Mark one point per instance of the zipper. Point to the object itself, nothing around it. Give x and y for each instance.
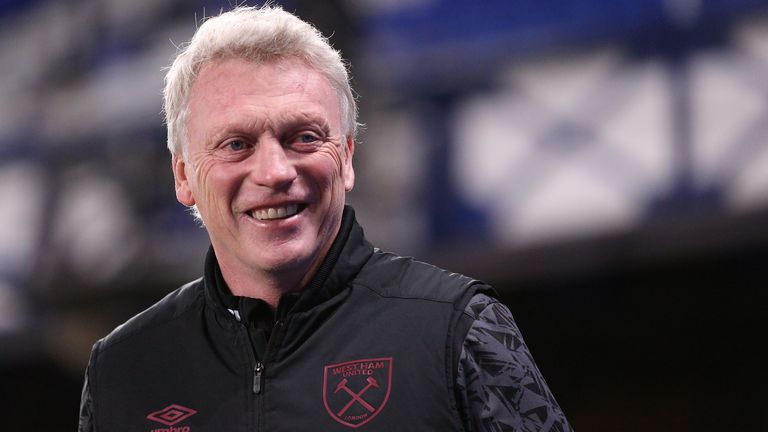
(258, 368)
(257, 371)
(258, 376)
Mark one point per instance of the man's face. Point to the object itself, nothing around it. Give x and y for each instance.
(266, 165)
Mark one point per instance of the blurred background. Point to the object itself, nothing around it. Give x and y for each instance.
(603, 163)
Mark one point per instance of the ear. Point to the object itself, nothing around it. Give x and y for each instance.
(347, 169)
(183, 192)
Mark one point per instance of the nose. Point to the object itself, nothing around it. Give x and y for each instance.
(272, 167)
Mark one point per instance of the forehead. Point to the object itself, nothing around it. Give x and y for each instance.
(232, 89)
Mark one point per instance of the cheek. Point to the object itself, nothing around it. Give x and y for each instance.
(328, 164)
(215, 182)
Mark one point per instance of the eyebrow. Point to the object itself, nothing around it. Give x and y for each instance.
(287, 122)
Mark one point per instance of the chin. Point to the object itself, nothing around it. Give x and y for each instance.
(285, 260)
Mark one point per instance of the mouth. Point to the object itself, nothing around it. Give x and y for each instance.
(273, 213)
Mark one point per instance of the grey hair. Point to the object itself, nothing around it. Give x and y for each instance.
(257, 34)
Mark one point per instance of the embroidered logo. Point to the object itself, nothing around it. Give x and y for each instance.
(171, 415)
(354, 392)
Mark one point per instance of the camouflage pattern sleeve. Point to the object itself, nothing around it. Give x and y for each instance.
(498, 383)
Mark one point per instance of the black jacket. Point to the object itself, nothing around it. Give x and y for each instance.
(372, 343)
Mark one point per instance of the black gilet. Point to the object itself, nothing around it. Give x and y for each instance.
(371, 343)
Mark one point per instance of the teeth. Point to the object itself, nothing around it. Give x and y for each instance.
(276, 213)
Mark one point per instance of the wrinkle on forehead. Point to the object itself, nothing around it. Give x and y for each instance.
(294, 70)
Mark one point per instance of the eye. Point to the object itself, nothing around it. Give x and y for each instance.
(236, 145)
(306, 138)
(306, 141)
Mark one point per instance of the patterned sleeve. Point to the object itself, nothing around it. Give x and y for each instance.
(498, 383)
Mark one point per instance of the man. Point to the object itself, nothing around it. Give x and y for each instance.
(298, 323)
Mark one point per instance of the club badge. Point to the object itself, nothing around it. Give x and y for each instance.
(355, 392)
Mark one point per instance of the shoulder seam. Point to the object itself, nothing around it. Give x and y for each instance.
(492, 301)
(137, 332)
(391, 296)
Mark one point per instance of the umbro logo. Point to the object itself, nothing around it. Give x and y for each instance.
(171, 415)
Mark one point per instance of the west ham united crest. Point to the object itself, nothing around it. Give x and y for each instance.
(355, 392)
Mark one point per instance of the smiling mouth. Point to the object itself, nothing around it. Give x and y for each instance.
(276, 212)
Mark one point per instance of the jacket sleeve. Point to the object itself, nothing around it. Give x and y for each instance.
(87, 420)
(498, 384)
(85, 424)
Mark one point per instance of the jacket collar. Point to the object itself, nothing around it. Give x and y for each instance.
(347, 255)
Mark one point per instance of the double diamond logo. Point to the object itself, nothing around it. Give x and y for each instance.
(171, 414)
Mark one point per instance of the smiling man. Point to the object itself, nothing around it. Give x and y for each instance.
(298, 323)
(267, 165)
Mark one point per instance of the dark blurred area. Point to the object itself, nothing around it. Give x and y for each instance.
(603, 163)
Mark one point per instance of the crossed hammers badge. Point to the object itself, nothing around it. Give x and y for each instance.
(354, 392)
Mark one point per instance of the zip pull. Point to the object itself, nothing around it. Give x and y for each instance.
(257, 370)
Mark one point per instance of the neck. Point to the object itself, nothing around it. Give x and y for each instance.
(269, 286)
(266, 289)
